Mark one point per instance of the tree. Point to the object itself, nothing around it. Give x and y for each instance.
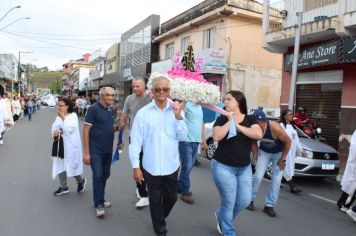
(56, 86)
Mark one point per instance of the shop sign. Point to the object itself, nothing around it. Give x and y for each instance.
(350, 49)
(214, 61)
(324, 54)
(127, 74)
(162, 66)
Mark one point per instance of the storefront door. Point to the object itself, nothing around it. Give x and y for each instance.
(323, 102)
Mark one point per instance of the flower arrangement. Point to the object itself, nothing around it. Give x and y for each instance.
(186, 83)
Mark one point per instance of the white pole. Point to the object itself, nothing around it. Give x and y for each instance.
(295, 60)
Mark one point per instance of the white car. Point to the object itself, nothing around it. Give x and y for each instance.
(321, 159)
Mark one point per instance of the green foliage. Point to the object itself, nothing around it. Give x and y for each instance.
(56, 86)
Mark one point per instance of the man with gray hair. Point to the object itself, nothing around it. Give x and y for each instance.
(157, 129)
(98, 138)
(134, 102)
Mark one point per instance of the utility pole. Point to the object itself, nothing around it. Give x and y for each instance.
(19, 73)
(295, 60)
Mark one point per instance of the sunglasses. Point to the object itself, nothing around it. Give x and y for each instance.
(110, 95)
(158, 90)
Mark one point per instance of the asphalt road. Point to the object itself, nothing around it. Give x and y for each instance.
(28, 207)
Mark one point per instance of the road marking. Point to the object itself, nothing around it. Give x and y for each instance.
(322, 198)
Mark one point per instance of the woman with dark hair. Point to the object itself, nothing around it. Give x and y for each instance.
(231, 165)
(286, 123)
(66, 125)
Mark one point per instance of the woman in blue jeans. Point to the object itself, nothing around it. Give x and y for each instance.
(231, 167)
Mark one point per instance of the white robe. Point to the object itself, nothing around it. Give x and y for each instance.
(348, 182)
(72, 161)
(288, 172)
(3, 115)
(10, 119)
(51, 101)
(16, 107)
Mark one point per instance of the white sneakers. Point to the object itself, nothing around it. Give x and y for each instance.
(142, 202)
(107, 204)
(100, 212)
(1, 142)
(352, 214)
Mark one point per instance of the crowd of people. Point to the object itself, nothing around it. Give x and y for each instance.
(15, 108)
(164, 140)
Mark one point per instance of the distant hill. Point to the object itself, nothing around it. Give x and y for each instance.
(44, 79)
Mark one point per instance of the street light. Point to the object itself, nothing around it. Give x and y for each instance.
(9, 12)
(22, 18)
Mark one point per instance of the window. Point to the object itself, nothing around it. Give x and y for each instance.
(209, 38)
(312, 4)
(169, 50)
(184, 44)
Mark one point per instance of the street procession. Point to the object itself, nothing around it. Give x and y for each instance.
(195, 117)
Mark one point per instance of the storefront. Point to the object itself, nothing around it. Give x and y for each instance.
(214, 66)
(326, 84)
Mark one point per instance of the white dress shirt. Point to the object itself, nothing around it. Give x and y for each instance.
(158, 133)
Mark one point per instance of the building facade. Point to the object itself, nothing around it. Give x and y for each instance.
(96, 74)
(112, 71)
(9, 72)
(227, 35)
(72, 76)
(138, 51)
(326, 64)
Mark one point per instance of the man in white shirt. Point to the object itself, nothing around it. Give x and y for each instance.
(157, 129)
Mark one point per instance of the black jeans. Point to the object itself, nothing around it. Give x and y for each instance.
(142, 188)
(343, 198)
(162, 192)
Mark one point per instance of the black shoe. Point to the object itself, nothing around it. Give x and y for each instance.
(81, 186)
(296, 190)
(61, 191)
(250, 207)
(269, 211)
(197, 163)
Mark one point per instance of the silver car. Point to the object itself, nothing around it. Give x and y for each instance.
(321, 160)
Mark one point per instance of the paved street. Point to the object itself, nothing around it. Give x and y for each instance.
(28, 206)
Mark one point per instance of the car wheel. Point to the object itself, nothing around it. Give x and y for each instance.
(211, 149)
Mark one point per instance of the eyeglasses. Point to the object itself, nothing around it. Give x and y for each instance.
(289, 114)
(110, 95)
(158, 90)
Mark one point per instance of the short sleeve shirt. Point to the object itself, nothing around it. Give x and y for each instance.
(235, 151)
(133, 104)
(101, 135)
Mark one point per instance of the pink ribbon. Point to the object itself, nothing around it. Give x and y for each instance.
(208, 106)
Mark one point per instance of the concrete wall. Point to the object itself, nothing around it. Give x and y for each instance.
(251, 69)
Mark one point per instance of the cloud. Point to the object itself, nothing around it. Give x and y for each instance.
(57, 23)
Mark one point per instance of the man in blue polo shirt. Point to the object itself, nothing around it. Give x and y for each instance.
(98, 138)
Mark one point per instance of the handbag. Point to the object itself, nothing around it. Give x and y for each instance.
(58, 147)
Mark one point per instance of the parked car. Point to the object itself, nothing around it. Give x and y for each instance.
(321, 160)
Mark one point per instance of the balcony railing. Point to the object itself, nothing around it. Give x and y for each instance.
(277, 13)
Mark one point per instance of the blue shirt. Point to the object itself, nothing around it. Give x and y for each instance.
(158, 133)
(194, 121)
(101, 134)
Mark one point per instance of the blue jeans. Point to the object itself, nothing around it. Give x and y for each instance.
(30, 111)
(100, 165)
(264, 159)
(188, 154)
(235, 186)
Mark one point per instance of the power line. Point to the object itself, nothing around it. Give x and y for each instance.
(71, 35)
(53, 43)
